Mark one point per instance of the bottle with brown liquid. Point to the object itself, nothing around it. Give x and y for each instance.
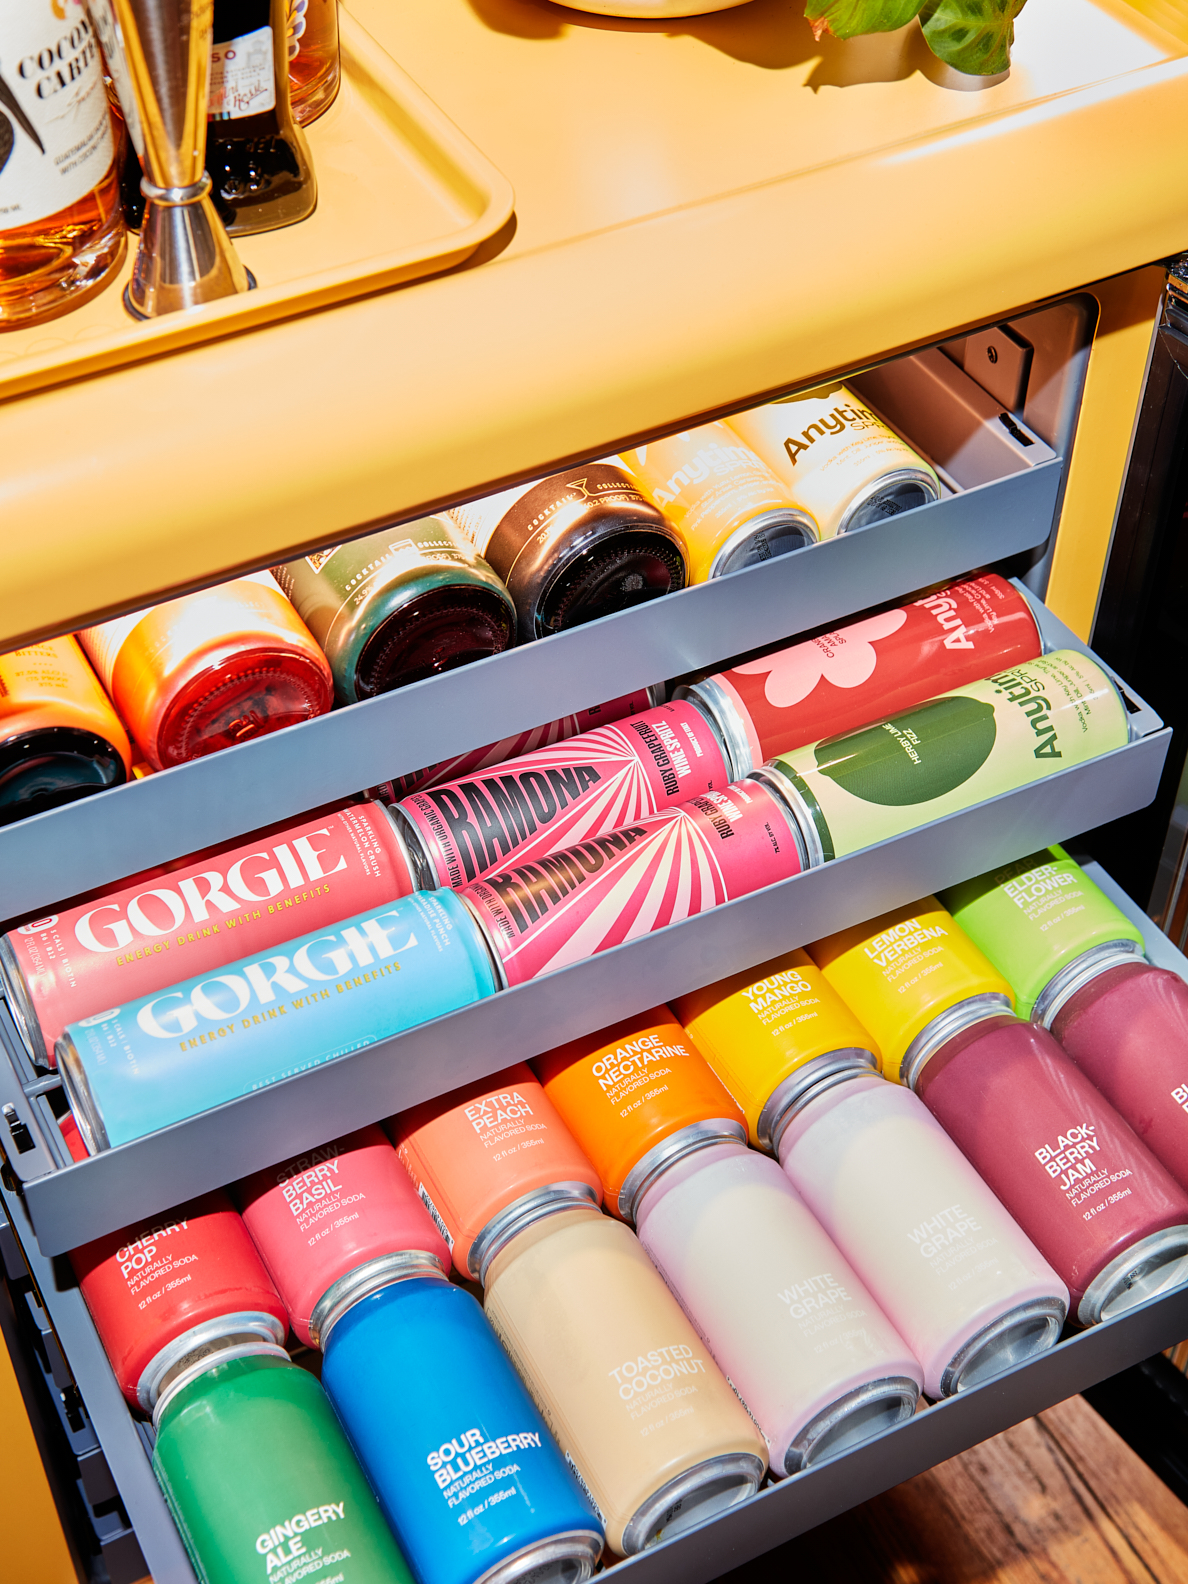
(61, 228)
(256, 153)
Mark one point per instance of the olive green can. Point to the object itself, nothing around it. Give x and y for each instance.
(262, 1482)
(1043, 923)
(399, 605)
(967, 745)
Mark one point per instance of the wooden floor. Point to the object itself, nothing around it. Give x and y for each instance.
(1057, 1500)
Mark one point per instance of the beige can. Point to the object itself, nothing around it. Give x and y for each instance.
(837, 459)
(630, 1391)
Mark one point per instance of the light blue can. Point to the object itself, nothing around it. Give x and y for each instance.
(466, 1472)
(210, 1039)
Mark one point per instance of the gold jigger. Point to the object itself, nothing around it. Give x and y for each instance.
(185, 257)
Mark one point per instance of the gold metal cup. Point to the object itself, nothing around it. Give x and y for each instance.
(185, 257)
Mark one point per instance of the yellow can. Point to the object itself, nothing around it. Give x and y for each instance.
(728, 506)
(760, 1029)
(911, 975)
(837, 458)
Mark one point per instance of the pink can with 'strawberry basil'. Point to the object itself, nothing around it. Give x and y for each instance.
(541, 916)
(596, 782)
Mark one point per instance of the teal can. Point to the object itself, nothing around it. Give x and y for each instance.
(261, 1480)
(399, 605)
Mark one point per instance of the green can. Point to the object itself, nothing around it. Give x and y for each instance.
(1044, 925)
(949, 753)
(261, 1480)
(399, 605)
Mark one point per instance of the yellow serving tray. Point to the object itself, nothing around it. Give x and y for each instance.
(401, 194)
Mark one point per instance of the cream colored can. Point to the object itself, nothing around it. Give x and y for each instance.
(838, 460)
(626, 1385)
(728, 506)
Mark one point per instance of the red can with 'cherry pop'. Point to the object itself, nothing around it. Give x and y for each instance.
(325, 1214)
(159, 930)
(539, 917)
(824, 686)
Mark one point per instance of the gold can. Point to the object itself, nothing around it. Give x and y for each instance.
(837, 459)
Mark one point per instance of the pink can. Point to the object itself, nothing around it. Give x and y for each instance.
(524, 742)
(324, 1215)
(219, 907)
(538, 917)
(597, 782)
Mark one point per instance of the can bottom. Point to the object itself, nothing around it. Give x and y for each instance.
(562, 1559)
(201, 1347)
(20, 1004)
(1152, 1266)
(771, 534)
(695, 1496)
(901, 491)
(1019, 1334)
(867, 1411)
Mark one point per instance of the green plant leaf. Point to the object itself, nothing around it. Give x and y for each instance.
(847, 18)
(972, 36)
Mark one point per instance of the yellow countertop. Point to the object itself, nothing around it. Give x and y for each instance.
(706, 211)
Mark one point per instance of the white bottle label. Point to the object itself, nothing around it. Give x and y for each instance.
(242, 82)
(55, 126)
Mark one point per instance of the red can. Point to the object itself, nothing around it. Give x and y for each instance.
(110, 950)
(538, 917)
(524, 742)
(868, 669)
(174, 1288)
(600, 781)
(321, 1216)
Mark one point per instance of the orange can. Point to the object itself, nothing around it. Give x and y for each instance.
(488, 1156)
(211, 669)
(60, 738)
(637, 1097)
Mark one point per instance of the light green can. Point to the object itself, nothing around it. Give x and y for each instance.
(965, 746)
(1042, 922)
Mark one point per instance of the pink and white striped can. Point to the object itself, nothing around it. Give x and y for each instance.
(541, 916)
(596, 782)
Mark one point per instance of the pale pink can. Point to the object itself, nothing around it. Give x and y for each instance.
(541, 916)
(322, 1216)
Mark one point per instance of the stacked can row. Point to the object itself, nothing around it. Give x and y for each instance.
(185, 678)
(923, 1230)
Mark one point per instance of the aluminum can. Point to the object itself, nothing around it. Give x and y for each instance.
(729, 507)
(261, 1480)
(955, 1274)
(465, 1469)
(1047, 928)
(319, 1217)
(210, 1039)
(209, 670)
(637, 1097)
(158, 929)
(484, 1155)
(770, 1032)
(790, 1323)
(837, 458)
(952, 752)
(553, 797)
(668, 866)
(574, 546)
(868, 669)
(60, 738)
(608, 1353)
(166, 1291)
(524, 742)
(399, 605)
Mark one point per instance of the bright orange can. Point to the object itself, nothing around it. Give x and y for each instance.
(627, 1092)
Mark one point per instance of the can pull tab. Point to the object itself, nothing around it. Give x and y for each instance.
(18, 1131)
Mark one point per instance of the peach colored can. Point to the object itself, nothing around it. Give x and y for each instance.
(488, 1154)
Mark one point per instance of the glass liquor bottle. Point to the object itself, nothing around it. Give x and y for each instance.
(314, 69)
(256, 153)
(61, 229)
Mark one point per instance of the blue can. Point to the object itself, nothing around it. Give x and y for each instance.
(213, 1038)
(466, 1472)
